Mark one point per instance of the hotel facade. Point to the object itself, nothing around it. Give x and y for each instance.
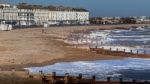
(18, 16)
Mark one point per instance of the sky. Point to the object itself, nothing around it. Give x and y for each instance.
(101, 7)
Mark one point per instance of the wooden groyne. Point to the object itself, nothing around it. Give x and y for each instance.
(68, 79)
(118, 53)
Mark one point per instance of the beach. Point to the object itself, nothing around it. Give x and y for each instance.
(22, 48)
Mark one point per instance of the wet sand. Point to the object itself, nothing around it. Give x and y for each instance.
(30, 47)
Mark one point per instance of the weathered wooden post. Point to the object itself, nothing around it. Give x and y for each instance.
(77, 44)
(131, 51)
(117, 49)
(40, 72)
(144, 52)
(110, 49)
(82, 38)
(102, 47)
(145, 82)
(96, 41)
(66, 78)
(133, 81)
(103, 50)
(124, 50)
(120, 79)
(54, 75)
(31, 76)
(96, 46)
(137, 52)
(80, 76)
(108, 79)
(93, 77)
(101, 43)
(44, 79)
(43, 31)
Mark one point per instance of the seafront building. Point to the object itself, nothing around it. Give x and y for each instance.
(25, 16)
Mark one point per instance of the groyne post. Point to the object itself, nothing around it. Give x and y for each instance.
(125, 54)
(133, 81)
(120, 79)
(66, 78)
(96, 46)
(137, 52)
(96, 41)
(146, 82)
(45, 80)
(124, 50)
(80, 76)
(40, 72)
(101, 43)
(77, 44)
(93, 77)
(110, 49)
(54, 75)
(144, 52)
(31, 76)
(131, 51)
(117, 49)
(103, 51)
(108, 79)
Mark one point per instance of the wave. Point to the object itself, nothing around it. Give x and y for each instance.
(137, 39)
(100, 68)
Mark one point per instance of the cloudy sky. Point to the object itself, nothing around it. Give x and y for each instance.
(102, 7)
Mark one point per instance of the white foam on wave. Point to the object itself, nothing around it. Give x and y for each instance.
(100, 68)
(108, 38)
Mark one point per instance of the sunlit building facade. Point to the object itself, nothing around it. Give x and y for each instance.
(18, 16)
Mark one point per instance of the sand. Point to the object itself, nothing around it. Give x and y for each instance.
(30, 47)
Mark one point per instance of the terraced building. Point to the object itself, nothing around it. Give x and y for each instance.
(24, 14)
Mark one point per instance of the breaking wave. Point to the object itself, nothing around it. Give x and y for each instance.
(135, 39)
(129, 68)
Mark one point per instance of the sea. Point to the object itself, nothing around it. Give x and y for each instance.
(135, 39)
(127, 68)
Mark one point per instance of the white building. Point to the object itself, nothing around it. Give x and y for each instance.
(4, 5)
(17, 16)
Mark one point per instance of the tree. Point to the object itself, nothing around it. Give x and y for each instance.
(127, 20)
